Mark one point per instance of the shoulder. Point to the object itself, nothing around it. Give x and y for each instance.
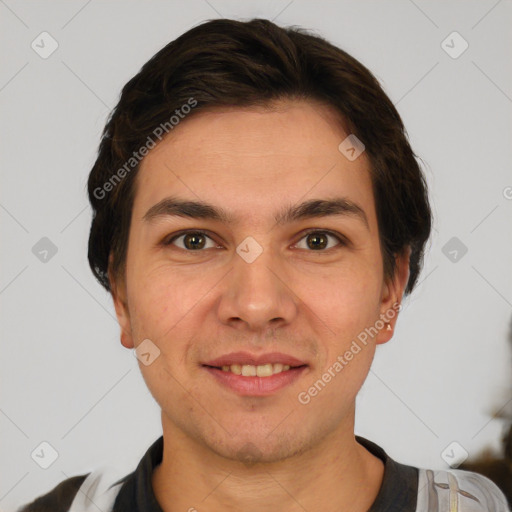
(457, 489)
(59, 499)
(82, 493)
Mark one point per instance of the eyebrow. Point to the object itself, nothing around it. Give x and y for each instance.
(172, 206)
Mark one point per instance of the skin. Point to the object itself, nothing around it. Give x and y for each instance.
(223, 451)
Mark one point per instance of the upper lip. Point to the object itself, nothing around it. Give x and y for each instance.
(242, 358)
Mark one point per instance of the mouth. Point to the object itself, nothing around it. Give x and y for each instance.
(251, 370)
(255, 375)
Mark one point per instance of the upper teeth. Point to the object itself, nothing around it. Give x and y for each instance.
(262, 370)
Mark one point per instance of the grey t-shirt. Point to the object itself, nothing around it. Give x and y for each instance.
(404, 489)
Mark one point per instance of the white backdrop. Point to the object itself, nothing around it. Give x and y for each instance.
(65, 377)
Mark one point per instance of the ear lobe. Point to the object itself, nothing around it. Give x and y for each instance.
(118, 292)
(392, 294)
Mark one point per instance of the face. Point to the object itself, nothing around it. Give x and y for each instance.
(251, 281)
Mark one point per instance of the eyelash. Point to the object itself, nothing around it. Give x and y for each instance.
(342, 241)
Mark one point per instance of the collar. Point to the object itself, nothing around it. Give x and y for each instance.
(398, 492)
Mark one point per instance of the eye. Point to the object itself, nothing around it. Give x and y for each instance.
(318, 240)
(192, 241)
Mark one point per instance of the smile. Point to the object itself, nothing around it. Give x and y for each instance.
(261, 370)
(255, 380)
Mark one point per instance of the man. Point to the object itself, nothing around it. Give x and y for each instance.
(259, 216)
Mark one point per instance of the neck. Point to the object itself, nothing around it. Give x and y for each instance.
(338, 474)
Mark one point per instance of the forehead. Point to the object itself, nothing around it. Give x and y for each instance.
(253, 159)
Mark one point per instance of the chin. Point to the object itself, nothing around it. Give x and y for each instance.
(252, 447)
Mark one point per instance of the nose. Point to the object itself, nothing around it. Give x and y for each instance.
(257, 295)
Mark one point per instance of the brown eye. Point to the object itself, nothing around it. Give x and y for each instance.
(192, 241)
(319, 240)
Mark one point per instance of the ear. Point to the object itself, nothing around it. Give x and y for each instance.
(392, 293)
(118, 291)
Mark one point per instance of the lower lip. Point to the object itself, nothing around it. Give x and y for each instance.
(256, 386)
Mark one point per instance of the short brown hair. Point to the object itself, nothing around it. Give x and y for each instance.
(234, 63)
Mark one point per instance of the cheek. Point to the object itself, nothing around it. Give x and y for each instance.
(168, 306)
(348, 306)
(347, 300)
(160, 300)
(161, 307)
